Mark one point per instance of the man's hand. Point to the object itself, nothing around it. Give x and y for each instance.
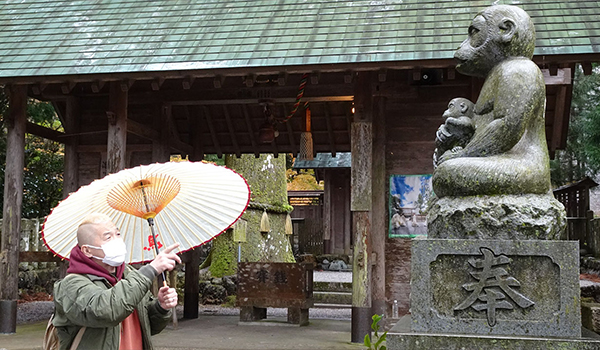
(167, 297)
(166, 260)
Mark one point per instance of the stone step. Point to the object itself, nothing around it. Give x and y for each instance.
(332, 306)
(332, 286)
(333, 298)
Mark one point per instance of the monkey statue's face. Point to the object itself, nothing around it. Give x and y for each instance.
(458, 107)
(481, 51)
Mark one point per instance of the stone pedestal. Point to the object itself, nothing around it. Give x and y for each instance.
(400, 337)
(511, 217)
(493, 294)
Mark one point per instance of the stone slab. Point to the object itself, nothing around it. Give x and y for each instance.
(496, 287)
(400, 337)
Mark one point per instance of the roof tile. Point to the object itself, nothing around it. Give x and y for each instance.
(42, 37)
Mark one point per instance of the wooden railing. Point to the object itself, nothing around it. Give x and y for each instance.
(32, 249)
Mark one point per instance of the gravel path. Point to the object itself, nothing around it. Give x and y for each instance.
(42, 310)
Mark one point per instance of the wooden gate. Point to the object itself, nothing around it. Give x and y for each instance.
(308, 221)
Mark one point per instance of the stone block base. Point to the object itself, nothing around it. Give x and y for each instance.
(496, 287)
(400, 337)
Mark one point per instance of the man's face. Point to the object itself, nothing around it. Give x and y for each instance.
(104, 233)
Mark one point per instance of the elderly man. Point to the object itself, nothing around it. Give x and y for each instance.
(111, 300)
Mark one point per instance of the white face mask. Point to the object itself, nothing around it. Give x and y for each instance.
(114, 252)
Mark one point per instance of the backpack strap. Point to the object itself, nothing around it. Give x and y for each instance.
(77, 339)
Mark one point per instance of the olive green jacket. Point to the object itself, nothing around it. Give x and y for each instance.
(90, 301)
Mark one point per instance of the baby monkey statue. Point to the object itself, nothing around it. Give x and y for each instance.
(457, 130)
(505, 162)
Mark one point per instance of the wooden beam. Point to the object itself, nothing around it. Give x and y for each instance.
(232, 134)
(315, 76)
(175, 140)
(71, 125)
(282, 78)
(290, 132)
(117, 128)
(250, 130)
(274, 148)
(38, 88)
(218, 81)
(251, 101)
(67, 87)
(44, 132)
(249, 80)
(14, 122)
(195, 134)
(143, 147)
(451, 75)
(587, 67)
(559, 117)
(329, 130)
(382, 75)
(187, 82)
(348, 77)
(142, 130)
(97, 86)
(211, 128)
(161, 151)
(157, 83)
(562, 76)
(126, 84)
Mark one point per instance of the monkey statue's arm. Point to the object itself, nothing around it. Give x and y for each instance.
(514, 86)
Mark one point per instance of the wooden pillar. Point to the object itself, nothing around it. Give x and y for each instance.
(71, 176)
(117, 128)
(14, 121)
(360, 206)
(191, 286)
(379, 222)
(161, 152)
(328, 238)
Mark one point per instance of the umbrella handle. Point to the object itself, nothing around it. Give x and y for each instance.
(151, 224)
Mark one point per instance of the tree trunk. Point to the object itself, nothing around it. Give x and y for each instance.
(266, 177)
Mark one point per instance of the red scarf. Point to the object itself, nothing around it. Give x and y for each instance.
(81, 264)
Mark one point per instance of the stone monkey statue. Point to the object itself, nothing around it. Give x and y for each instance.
(508, 152)
(457, 129)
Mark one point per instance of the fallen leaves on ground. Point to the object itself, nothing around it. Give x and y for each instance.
(38, 296)
(589, 277)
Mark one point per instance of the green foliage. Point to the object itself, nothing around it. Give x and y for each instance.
(581, 157)
(230, 301)
(213, 158)
(376, 342)
(44, 160)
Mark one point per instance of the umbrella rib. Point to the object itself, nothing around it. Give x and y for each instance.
(179, 231)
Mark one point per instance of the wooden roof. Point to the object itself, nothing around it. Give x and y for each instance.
(40, 38)
(210, 67)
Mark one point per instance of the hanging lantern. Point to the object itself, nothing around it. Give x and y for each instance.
(265, 226)
(289, 228)
(306, 141)
(266, 131)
